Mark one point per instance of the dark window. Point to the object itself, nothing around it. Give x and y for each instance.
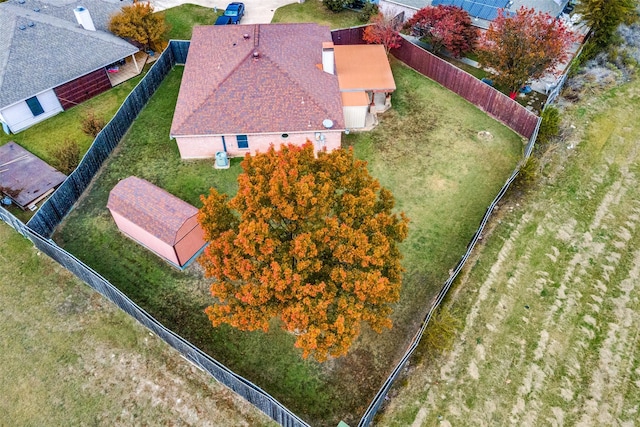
(34, 106)
(285, 135)
(243, 142)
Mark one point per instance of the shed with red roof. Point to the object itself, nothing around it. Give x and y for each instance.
(157, 220)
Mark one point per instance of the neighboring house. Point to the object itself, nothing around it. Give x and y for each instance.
(54, 55)
(482, 12)
(157, 220)
(247, 87)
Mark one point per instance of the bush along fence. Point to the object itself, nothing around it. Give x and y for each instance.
(40, 228)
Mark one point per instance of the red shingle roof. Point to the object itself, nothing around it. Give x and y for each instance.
(150, 207)
(227, 90)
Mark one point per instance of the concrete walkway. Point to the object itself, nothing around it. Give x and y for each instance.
(257, 11)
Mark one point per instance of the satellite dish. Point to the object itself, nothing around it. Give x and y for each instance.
(327, 123)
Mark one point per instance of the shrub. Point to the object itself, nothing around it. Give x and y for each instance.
(550, 125)
(439, 335)
(92, 125)
(528, 173)
(368, 10)
(335, 5)
(66, 157)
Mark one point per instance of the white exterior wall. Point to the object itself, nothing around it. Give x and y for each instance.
(355, 116)
(19, 117)
(392, 9)
(204, 147)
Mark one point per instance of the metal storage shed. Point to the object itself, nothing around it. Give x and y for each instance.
(157, 220)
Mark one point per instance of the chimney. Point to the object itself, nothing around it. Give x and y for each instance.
(84, 18)
(327, 58)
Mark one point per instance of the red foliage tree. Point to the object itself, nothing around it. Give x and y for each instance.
(383, 30)
(447, 27)
(524, 46)
(311, 241)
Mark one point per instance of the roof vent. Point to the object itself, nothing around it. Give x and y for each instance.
(31, 23)
(255, 54)
(21, 1)
(37, 9)
(246, 36)
(327, 123)
(22, 27)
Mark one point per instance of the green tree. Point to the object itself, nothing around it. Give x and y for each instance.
(309, 240)
(336, 5)
(604, 17)
(137, 22)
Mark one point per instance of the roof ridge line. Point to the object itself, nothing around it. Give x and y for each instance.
(5, 60)
(229, 74)
(303, 89)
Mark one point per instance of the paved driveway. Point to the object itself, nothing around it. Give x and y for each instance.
(257, 11)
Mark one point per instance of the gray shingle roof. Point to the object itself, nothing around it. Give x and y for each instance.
(52, 51)
(100, 10)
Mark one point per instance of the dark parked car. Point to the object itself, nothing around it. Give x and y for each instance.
(235, 11)
(223, 20)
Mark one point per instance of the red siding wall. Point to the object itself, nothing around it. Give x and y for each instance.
(83, 88)
(467, 86)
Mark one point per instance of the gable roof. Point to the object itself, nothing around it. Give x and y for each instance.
(225, 89)
(50, 52)
(363, 67)
(151, 208)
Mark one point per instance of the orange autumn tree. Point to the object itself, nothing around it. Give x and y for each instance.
(310, 241)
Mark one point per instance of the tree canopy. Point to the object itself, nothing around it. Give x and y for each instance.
(384, 31)
(447, 27)
(524, 46)
(137, 22)
(604, 17)
(309, 240)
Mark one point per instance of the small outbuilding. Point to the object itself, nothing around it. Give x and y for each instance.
(25, 178)
(157, 220)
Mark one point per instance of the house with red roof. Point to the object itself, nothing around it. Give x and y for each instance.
(246, 87)
(157, 220)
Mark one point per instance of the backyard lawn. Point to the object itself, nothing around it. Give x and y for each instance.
(42, 137)
(427, 150)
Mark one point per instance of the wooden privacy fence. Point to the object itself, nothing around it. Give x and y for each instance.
(480, 94)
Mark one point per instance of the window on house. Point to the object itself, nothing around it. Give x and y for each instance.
(34, 106)
(243, 142)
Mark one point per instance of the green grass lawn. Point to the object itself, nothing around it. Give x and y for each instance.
(42, 137)
(181, 19)
(426, 150)
(69, 357)
(315, 11)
